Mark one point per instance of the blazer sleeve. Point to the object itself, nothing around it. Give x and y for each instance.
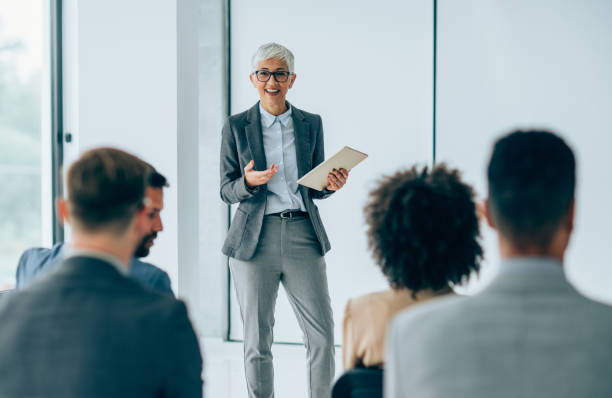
(184, 376)
(22, 274)
(33, 263)
(233, 184)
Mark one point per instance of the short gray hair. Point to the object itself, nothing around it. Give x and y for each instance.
(270, 51)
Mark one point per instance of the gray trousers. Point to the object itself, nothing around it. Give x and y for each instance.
(288, 252)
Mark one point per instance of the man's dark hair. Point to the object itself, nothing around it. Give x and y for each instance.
(156, 179)
(423, 228)
(532, 178)
(106, 187)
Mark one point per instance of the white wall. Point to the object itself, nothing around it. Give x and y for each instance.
(366, 68)
(503, 65)
(128, 65)
(126, 86)
(187, 138)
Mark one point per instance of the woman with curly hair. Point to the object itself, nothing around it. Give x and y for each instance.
(424, 234)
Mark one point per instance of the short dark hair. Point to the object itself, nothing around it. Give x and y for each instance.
(423, 228)
(532, 178)
(156, 179)
(106, 187)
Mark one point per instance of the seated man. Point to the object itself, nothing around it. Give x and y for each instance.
(85, 329)
(529, 333)
(423, 232)
(37, 261)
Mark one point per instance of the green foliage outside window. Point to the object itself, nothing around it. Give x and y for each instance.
(20, 161)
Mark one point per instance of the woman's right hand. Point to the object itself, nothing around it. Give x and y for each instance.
(254, 178)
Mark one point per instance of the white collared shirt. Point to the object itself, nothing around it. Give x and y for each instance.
(279, 146)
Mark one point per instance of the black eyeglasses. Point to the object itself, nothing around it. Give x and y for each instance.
(280, 76)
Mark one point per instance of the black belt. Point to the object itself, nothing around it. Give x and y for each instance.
(289, 214)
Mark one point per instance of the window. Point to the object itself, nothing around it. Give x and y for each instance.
(26, 204)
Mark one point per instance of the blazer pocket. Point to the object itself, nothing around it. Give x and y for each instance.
(237, 228)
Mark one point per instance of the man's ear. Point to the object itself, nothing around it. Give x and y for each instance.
(487, 213)
(252, 79)
(571, 215)
(62, 210)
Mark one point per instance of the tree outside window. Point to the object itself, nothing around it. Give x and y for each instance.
(22, 37)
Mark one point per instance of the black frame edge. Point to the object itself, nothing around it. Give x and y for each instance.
(57, 117)
(435, 72)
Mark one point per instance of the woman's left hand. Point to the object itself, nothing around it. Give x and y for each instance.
(336, 179)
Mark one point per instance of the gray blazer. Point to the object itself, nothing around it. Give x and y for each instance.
(529, 334)
(241, 142)
(85, 330)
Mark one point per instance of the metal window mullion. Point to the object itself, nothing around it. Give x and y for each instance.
(57, 123)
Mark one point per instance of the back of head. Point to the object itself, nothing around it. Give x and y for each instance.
(106, 188)
(423, 229)
(531, 177)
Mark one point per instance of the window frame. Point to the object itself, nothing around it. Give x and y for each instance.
(57, 120)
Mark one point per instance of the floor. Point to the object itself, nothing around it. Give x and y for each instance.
(224, 371)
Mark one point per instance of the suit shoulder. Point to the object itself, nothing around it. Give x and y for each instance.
(9, 300)
(170, 309)
(42, 254)
(600, 311)
(148, 267)
(151, 276)
(34, 261)
(311, 117)
(158, 301)
(234, 124)
(432, 311)
(238, 118)
(36, 254)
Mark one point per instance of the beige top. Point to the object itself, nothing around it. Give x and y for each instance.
(365, 324)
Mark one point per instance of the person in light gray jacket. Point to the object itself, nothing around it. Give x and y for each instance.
(530, 333)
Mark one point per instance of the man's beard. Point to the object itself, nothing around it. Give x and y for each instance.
(142, 250)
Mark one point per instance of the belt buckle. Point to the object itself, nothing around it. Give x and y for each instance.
(286, 214)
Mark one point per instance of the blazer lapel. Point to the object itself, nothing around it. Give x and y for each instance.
(301, 129)
(254, 138)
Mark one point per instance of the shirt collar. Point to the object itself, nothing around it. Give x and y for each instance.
(114, 261)
(268, 119)
(531, 264)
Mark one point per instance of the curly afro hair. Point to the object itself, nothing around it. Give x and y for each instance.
(423, 229)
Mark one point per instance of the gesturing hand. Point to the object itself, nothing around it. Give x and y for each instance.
(254, 178)
(336, 179)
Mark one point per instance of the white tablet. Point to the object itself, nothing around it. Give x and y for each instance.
(345, 158)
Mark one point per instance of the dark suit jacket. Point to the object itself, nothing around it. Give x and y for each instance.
(241, 142)
(85, 330)
(38, 261)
